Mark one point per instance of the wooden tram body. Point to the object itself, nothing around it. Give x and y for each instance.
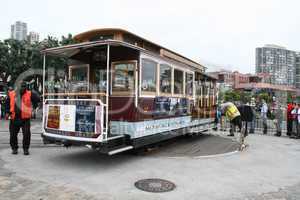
(119, 91)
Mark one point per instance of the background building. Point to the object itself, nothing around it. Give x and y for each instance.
(297, 70)
(228, 80)
(33, 37)
(224, 79)
(231, 79)
(278, 62)
(19, 31)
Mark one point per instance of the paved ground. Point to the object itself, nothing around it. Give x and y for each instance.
(268, 169)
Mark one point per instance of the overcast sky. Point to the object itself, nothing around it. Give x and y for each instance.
(216, 32)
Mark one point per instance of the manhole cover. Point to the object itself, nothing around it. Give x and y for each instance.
(155, 185)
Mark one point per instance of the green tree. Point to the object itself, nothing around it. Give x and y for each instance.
(232, 95)
(67, 40)
(18, 56)
(236, 95)
(265, 96)
(13, 59)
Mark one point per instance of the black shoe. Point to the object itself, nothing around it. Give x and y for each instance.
(14, 151)
(26, 152)
(231, 135)
(278, 134)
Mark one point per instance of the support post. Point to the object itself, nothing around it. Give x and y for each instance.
(43, 98)
(107, 90)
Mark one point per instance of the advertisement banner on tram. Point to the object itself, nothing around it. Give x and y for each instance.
(74, 120)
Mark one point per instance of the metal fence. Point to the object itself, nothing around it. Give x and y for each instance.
(258, 124)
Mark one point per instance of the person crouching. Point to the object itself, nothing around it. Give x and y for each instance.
(232, 113)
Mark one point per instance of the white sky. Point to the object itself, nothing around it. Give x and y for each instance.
(217, 32)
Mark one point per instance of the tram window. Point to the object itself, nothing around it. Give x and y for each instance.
(178, 81)
(149, 69)
(205, 88)
(100, 80)
(79, 78)
(189, 84)
(198, 88)
(165, 78)
(123, 78)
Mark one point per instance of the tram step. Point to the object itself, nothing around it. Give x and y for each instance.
(115, 137)
(119, 150)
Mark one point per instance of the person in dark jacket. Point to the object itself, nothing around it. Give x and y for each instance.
(2, 108)
(247, 116)
(278, 119)
(19, 105)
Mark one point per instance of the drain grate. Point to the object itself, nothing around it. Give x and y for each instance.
(155, 185)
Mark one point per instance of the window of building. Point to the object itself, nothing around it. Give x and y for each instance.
(165, 78)
(178, 81)
(189, 84)
(149, 71)
(123, 78)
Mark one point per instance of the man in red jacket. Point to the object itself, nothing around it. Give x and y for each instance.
(290, 118)
(19, 105)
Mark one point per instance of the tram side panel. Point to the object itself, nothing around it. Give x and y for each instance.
(156, 119)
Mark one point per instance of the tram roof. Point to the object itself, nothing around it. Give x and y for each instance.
(68, 51)
(119, 34)
(133, 40)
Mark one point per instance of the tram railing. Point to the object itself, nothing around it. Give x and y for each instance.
(104, 121)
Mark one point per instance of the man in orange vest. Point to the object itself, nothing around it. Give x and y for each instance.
(19, 105)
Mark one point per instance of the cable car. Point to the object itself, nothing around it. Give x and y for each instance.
(116, 91)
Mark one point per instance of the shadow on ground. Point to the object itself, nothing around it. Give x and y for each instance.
(196, 146)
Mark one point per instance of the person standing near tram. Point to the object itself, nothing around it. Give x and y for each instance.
(289, 118)
(1, 116)
(253, 109)
(263, 114)
(19, 106)
(296, 125)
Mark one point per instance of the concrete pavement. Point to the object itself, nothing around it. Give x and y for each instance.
(268, 169)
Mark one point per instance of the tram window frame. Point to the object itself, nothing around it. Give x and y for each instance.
(160, 79)
(87, 66)
(198, 87)
(115, 92)
(155, 76)
(187, 85)
(182, 82)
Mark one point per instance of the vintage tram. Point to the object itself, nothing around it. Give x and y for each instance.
(116, 91)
